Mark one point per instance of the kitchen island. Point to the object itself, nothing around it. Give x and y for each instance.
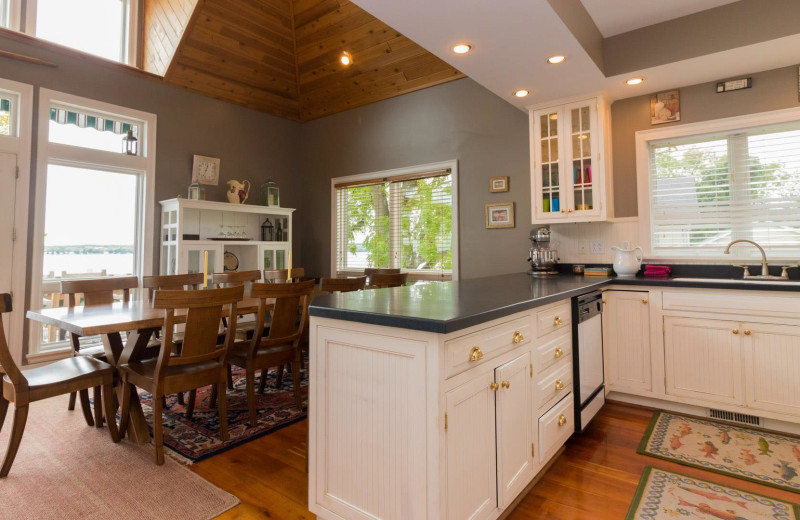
(439, 400)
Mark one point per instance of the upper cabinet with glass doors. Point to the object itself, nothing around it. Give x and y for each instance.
(569, 152)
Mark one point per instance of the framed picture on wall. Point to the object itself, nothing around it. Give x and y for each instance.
(500, 215)
(665, 107)
(498, 184)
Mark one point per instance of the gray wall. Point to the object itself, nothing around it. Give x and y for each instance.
(459, 120)
(772, 90)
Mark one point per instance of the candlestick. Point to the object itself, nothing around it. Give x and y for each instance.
(289, 272)
(205, 269)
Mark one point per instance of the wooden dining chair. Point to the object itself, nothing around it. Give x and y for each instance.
(22, 387)
(200, 361)
(282, 275)
(328, 285)
(95, 291)
(281, 345)
(389, 280)
(370, 271)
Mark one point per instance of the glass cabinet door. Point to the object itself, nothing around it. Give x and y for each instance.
(195, 259)
(581, 120)
(274, 257)
(551, 200)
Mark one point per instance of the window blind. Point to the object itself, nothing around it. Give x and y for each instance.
(400, 222)
(706, 191)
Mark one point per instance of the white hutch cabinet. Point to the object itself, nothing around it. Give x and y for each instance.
(189, 228)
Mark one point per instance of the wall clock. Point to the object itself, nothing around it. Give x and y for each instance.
(205, 170)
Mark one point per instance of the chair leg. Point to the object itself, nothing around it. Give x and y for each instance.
(262, 383)
(98, 407)
(3, 410)
(111, 411)
(190, 404)
(164, 401)
(279, 376)
(251, 396)
(181, 400)
(158, 430)
(230, 377)
(20, 418)
(86, 407)
(223, 411)
(298, 395)
(125, 414)
(72, 398)
(214, 392)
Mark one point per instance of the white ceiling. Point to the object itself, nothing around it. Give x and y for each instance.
(614, 17)
(511, 45)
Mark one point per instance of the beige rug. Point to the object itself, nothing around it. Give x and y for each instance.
(66, 470)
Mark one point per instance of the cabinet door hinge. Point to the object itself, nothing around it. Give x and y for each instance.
(14, 234)
(533, 450)
(531, 369)
(445, 421)
(16, 173)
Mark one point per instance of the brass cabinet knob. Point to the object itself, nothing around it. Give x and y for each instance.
(558, 353)
(517, 338)
(735, 331)
(559, 384)
(562, 420)
(494, 386)
(604, 302)
(557, 321)
(563, 210)
(506, 384)
(644, 300)
(747, 332)
(569, 210)
(475, 354)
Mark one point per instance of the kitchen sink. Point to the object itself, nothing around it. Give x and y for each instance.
(737, 280)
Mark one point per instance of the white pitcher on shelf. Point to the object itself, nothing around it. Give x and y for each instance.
(238, 191)
(626, 262)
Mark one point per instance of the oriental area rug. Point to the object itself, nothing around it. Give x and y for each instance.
(195, 439)
(758, 456)
(666, 495)
(66, 470)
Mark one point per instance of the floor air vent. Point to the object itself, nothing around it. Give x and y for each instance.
(734, 417)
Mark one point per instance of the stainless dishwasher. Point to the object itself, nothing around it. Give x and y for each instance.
(587, 357)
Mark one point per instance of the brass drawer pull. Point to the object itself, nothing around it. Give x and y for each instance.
(559, 384)
(558, 353)
(494, 386)
(557, 321)
(735, 331)
(475, 354)
(506, 384)
(644, 300)
(562, 420)
(747, 332)
(518, 337)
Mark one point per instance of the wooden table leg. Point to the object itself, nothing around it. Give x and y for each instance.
(137, 427)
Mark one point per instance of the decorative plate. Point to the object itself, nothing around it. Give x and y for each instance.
(230, 262)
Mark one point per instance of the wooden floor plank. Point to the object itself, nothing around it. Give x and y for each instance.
(595, 478)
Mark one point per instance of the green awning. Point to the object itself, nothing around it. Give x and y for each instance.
(69, 117)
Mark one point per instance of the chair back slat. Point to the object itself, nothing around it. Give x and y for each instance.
(98, 291)
(234, 278)
(389, 280)
(282, 275)
(343, 284)
(289, 297)
(7, 362)
(172, 281)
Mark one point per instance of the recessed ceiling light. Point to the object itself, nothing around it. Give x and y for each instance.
(555, 60)
(346, 59)
(522, 92)
(462, 48)
(634, 81)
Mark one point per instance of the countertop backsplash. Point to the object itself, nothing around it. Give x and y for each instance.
(567, 238)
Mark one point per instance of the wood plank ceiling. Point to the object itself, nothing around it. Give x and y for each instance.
(282, 56)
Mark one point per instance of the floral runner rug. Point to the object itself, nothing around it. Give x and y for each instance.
(195, 439)
(766, 458)
(663, 494)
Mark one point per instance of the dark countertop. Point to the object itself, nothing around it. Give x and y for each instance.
(445, 307)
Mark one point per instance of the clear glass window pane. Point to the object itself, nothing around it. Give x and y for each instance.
(93, 26)
(5, 115)
(5, 13)
(545, 151)
(554, 149)
(576, 120)
(543, 125)
(553, 124)
(584, 119)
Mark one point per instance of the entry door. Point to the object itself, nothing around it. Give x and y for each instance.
(8, 179)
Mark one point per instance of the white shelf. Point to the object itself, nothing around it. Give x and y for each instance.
(209, 205)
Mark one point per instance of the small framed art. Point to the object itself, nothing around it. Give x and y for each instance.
(665, 107)
(500, 215)
(205, 170)
(498, 184)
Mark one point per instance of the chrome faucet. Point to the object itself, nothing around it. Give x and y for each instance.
(764, 266)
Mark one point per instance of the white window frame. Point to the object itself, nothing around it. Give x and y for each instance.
(14, 14)
(644, 137)
(78, 156)
(452, 165)
(20, 145)
(130, 43)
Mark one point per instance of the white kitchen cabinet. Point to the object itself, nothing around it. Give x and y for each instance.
(626, 342)
(772, 362)
(569, 145)
(703, 359)
(470, 449)
(514, 432)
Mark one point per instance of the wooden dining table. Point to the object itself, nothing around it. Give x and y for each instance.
(139, 320)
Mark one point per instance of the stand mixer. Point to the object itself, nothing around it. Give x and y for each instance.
(543, 258)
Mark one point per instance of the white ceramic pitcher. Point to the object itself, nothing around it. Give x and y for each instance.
(626, 261)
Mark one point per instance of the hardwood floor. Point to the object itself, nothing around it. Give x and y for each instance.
(594, 478)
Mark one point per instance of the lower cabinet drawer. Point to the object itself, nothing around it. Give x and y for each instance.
(555, 384)
(476, 348)
(553, 318)
(553, 351)
(555, 427)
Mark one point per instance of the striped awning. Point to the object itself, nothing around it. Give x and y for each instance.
(5, 105)
(69, 117)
